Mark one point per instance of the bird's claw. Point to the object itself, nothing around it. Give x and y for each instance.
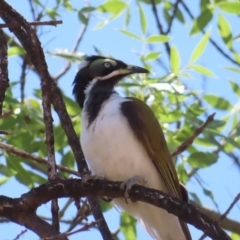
(127, 185)
(87, 178)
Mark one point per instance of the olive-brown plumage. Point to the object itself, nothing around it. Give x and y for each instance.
(121, 138)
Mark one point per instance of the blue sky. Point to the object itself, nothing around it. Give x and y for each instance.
(221, 178)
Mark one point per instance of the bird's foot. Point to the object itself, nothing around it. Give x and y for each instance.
(127, 185)
(87, 178)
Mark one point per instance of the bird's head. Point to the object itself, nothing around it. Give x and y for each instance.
(104, 71)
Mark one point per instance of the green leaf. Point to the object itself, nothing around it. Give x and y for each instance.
(5, 170)
(52, 12)
(114, 7)
(209, 193)
(203, 70)
(225, 30)
(205, 4)
(197, 52)
(67, 5)
(22, 175)
(233, 69)
(175, 60)
(88, 9)
(3, 180)
(152, 56)
(67, 55)
(182, 173)
(202, 159)
(166, 15)
(82, 18)
(180, 16)
(72, 106)
(105, 206)
(195, 109)
(235, 236)
(204, 142)
(218, 125)
(172, 116)
(16, 50)
(158, 38)
(143, 19)
(201, 22)
(101, 24)
(129, 34)
(127, 17)
(230, 7)
(195, 197)
(235, 87)
(218, 102)
(128, 226)
(68, 160)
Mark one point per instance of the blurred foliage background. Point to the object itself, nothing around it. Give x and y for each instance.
(192, 50)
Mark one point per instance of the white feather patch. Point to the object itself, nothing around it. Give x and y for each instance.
(113, 151)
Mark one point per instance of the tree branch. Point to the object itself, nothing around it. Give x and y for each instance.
(21, 153)
(227, 223)
(31, 44)
(4, 81)
(175, 8)
(36, 23)
(26, 216)
(159, 25)
(210, 39)
(224, 215)
(76, 188)
(190, 140)
(79, 39)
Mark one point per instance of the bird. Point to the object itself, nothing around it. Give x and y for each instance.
(122, 140)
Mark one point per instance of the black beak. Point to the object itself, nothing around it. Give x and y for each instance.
(135, 69)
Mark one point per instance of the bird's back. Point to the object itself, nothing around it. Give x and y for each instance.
(114, 152)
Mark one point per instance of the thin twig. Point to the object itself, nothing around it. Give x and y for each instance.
(224, 215)
(190, 140)
(79, 39)
(236, 199)
(159, 25)
(30, 42)
(22, 79)
(86, 227)
(21, 153)
(4, 81)
(175, 8)
(78, 188)
(37, 23)
(32, 10)
(83, 212)
(20, 234)
(220, 49)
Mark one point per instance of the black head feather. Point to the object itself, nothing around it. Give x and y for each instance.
(107, 70)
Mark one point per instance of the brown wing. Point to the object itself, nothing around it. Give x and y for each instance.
(149, 132)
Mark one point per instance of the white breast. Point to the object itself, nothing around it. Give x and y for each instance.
(111, 148)
(113, 151)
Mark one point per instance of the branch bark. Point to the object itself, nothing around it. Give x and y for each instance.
(4, 82)
(32, 45)
(76, 188)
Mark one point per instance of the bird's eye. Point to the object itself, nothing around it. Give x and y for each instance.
(106, 64)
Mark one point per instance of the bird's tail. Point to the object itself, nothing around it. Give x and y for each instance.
(159, 223)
